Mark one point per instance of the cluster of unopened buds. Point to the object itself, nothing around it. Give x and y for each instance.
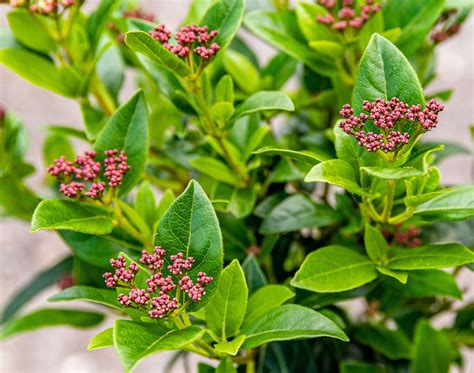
(191, 37)
(85, 169)
(161, 297)
(45, 7)
(347, 16)
(410, 237)
(445, 27)
(390, 118)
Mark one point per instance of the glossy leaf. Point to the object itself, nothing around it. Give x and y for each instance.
(254, 275)
(333, 269)
(431, 257)
(214, 168)
(88, 293)
(244, 73)
(375, 243)
(127, 130)
(263, 101)
(98, 19)
(232, 347)
(71, 215)
(306, 156)
(190, 226)
(48, 317)
(456, 205)
(297, 212)
(142, 42)
(265, 299)
(135, 341)
(226, 310)
(390, 343)
(392, 173)
(336, 172)
(104, 339)
(289, 322)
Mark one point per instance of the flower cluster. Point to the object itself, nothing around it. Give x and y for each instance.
(45, 7)
(409, 237)
(161, 297)
(347, 16)
(74, 175)
(390, 118)
(191, 37)
(445, 27)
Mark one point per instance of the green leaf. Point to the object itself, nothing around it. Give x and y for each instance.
(142, 42)
(135, 341)
(41, 71)
(71, 215)
(336, 172)
(289, 322)
(297, 212)
(214, 168)
(456, 205)
(265, 299)
(190, 226)
(306, 156)
(244, 72)
(226, 310)
(232, 347)
(280, 30)
(16, 199)
(357, 367)
(224, 91)
(242, 202)
(390, 343)
(55, 146)
(306, 14)
(225, 16)
(41, 281)
(262, 101)
(127, 130)
(50, 317)
(328, 48)
(384, 72)
(449, 4)
(432, 350)
(333, 269)
(98, 19)
(31, 30)
(145, 203)
(254, 275)
(431, 257)
(392, 173)
(226, 366)
(88, 293)
(400, 276)
(104, 339)
(375, 243)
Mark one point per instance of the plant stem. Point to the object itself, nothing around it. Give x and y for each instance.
(388, 201)
(103, 97)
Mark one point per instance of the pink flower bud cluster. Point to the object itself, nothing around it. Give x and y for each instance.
(389, 117)
(161, 297)
(85, 168)
(139, 14)
(45, 7)
(3, 113)
(347, 16)
(445, 27)
(190, 37)
(409, 238)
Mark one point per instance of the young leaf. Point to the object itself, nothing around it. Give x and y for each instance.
(333, 269)
(297, 212)
(400, 276)
(71, 215)
(127, 130)
(280, 30)
(431, 257)
(98, 19)
(142, 42)
(135, 341)
(88, 293)
(289, 322)
(41, 71)
(225, 16)
(265, 299)
(390, 343)
(375, 243)
(232, 347)
(384, 72)
(244, 73)
(40, 282)
(214, 168)
(392, 173)
(224, 91)
(336, 172)
(262, 101)
(31, 30)
(226, 310)
(50, 317)
(456, 205)
(190, 226)
(104, 339)
(145, 203)
(433, 351)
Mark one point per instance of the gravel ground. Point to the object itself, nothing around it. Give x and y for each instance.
(23, 254)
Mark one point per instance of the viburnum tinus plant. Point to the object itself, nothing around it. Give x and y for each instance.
(288, 204)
